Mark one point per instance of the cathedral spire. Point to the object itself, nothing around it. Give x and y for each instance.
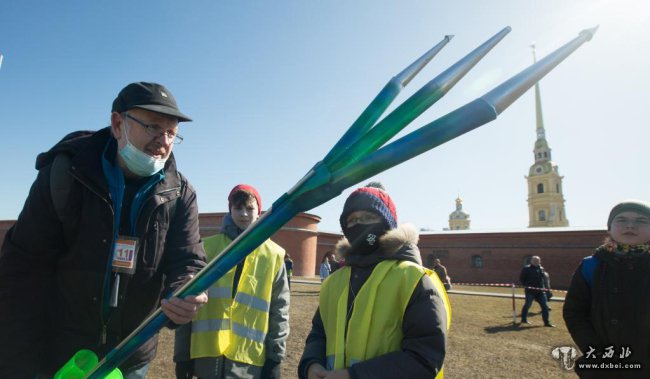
(542, 150)
(545, 197)
(541, 134)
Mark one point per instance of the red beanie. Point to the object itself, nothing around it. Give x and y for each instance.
(249, 190)
(370, 199)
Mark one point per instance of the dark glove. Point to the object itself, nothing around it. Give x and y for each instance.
(185, 370)
(271, 370)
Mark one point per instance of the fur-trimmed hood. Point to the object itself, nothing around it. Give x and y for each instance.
(398, 244)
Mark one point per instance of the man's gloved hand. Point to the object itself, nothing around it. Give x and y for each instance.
(185, 370)
(271, 370)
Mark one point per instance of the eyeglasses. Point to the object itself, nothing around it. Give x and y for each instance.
(155, 131)
(363, 219)
(635, 222)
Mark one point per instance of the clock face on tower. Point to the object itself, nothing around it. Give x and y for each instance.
(538, 169)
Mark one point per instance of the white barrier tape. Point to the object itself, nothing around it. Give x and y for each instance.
(542, 289)
(505, 285)
(484, 284)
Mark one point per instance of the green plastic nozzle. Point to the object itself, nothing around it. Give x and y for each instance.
(81, 364)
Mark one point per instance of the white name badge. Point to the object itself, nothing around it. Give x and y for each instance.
(125, 255)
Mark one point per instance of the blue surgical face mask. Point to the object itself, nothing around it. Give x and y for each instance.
(137, 161)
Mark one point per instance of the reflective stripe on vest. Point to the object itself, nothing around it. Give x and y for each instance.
(199, 326)
(375, 327)
(220, 292)
(253, 302)
(236, 328)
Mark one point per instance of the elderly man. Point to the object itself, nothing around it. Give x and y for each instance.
(109, 228)
(532, 278)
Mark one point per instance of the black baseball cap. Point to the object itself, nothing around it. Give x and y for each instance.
(149, 96)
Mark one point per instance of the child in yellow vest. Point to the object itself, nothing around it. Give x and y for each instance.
(242, 331)
(383, 315)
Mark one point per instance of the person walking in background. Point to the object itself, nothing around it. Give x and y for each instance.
(532, 278)
(325, 268)
(441, 271)
(109, 228)
(607, 307)
(288, 264)
(335, 263)
(547, 286)
(242, 331)
(382, 315)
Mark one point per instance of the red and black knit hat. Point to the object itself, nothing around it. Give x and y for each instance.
(370, 199)
(249, 190)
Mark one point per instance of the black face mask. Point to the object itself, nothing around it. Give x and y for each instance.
(364, 238)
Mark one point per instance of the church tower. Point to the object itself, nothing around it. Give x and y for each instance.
(459, 220)
(545, 198)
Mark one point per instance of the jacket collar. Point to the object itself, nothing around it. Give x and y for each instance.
(398, 244)
(87, 164)
(229, 228)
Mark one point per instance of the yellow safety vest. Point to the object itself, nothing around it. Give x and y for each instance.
(236, 328)
(375, 326)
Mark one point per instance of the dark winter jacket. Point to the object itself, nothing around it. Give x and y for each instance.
(425, 320)
(441, 271)
(613, 311)
(54, 274)
(532, 276)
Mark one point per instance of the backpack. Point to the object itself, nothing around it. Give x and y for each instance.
(588, 269)
(60, 183)
(60, 178)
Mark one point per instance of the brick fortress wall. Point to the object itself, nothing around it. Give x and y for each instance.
(470, 257)
(497, 257)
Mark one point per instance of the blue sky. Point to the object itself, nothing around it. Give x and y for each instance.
(273, 85)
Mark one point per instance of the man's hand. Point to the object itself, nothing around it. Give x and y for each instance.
(316, 371)
(182, 311)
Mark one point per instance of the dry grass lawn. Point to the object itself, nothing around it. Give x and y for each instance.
(483, 343)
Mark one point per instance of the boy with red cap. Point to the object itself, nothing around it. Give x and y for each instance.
(383, 315)
(607, 307)
(243, 329)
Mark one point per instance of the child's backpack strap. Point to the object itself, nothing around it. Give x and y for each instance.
(588, 269)
(60, 178)
(60, 183)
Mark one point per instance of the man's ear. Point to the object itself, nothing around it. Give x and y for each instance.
(117, 125)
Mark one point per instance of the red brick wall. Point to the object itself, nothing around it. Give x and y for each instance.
(298, 237)
(502, 253)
